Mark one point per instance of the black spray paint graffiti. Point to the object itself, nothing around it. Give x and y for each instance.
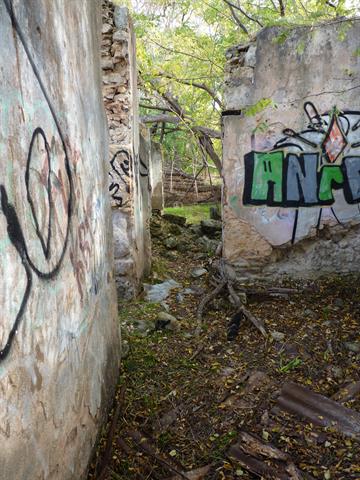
(303, 169)
(120, 177)
(14, 229)
(144, 171)
(121, 173)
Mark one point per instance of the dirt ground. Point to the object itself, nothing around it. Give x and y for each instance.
(183, 400)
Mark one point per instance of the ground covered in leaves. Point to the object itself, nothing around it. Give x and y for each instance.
(183, 399)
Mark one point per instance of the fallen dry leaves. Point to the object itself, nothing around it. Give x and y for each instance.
(192, 398)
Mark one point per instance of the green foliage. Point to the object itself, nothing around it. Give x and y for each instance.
(258, 107)
(193, 213)
(301, 47)
(292, 365)
(182, 44)
(281, 38)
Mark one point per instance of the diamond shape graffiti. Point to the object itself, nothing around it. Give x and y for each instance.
(334, 142)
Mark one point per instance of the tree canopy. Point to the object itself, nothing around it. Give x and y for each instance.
(181, 46)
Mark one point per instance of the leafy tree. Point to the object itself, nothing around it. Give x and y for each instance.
(181, 55)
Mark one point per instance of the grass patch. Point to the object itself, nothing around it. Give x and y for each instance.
(193, 213)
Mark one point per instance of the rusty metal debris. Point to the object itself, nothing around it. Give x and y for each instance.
(319, 409)
(264, 459)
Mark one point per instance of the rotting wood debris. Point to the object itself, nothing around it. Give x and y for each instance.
(202, 407)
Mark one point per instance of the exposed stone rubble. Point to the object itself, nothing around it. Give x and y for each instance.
(176, 235)
(239, 69)
(115, 62)
(128, 173)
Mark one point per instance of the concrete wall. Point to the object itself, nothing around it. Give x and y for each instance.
(143, 219)
(58, 331)
(156, 177)
(292, 152)
(125, 172)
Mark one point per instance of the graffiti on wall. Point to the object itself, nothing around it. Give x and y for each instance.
(120, 174)
(304, 169)
(44, 220)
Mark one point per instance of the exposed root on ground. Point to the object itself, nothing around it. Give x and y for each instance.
(223, 282)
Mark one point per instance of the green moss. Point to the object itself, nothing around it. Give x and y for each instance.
(343, 29)
(282, 37)
(159, 267)
(193, 213)
(258, 107)
(301, 47)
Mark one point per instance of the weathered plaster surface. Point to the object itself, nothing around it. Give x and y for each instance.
(156, 177)
(284, 71)
(142, 225)
(58, 373)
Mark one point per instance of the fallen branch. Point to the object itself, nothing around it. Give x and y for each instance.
(207, 299)
(197, 352)
(255, 447)
(228, 394)
(254, 320)
(223, 282)
(264, 459)
(110, 437)
(197, 474)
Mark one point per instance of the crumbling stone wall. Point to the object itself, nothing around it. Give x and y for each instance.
(292, 152)
(58, 331)
(126, 175)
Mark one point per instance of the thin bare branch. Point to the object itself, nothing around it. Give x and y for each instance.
(282, 8)
(202, 86)
(161, 118)
(200, 133)
(237, 20)
(331, 4)
(208, 131)
(241, 10)
(155, 107)
(187, 54)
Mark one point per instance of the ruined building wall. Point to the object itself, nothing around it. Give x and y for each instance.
(156, 177)
(58, 330)
(128, 179)
(143, 219)
(292, 152)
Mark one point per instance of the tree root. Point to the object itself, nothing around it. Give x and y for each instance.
(205, 301)
(221, 284)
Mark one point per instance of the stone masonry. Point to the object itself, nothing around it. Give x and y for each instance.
(128, 183)
(291, 159)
